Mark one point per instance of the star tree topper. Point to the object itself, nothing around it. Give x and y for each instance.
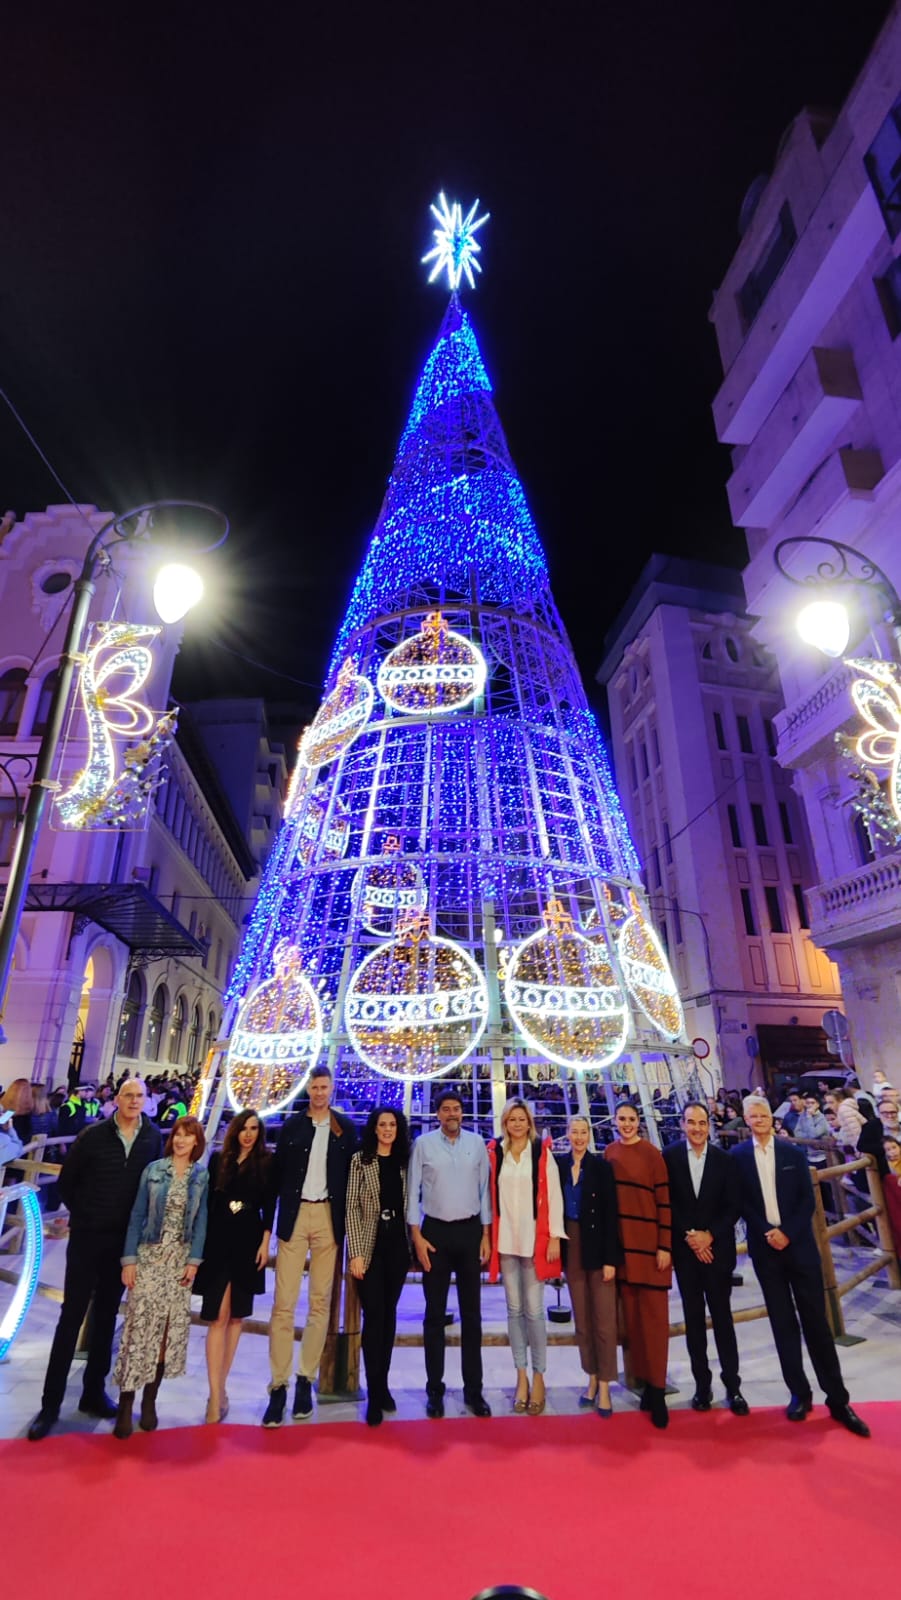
(456, 249)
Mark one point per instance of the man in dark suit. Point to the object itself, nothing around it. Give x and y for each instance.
(776, 1200)
(703, 1186)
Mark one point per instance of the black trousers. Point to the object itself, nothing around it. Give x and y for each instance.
(795, 1300)
(380, 1289)
(704, 1287)
(93, 1267)
(456, 1254)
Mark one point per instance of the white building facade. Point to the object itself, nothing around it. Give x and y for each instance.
(128, 938)
(692, 701)
(807, 319)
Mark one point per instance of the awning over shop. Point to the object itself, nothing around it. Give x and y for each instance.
(127, 910)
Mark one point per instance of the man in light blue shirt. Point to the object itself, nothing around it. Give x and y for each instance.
(449, 1212)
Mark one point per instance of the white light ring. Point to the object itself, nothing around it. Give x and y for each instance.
(534, 994)
(391, 901)
(481, 1010)
(637, 991)
(32, 1255)
(307, 1057)
(427, 673)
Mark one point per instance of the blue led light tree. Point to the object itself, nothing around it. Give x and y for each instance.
(454, 867)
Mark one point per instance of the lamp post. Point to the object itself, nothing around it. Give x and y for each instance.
(824, 623)
(173, 596)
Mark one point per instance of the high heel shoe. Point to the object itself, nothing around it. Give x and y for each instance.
(603, 1411)
(521, 1402)
(589, 1397)
(537, 1401)
(213, 1412)
(223, 1407)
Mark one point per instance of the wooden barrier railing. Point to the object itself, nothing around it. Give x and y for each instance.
(339, 1372)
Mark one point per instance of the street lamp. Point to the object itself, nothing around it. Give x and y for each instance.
(176, 589)
(825, 622)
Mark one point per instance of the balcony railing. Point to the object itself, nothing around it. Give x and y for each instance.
(860, 908)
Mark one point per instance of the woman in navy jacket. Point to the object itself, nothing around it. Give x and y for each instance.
(163, 1249)
(590, 1258)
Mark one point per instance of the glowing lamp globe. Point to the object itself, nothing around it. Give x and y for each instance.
(176, 590)
(277, 1038)
(647, 976)
(565, 997)
(825, 624)
(416, 1007)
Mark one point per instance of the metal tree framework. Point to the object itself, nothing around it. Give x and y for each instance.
(453, 893)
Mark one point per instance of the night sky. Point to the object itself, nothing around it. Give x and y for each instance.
(210, 281)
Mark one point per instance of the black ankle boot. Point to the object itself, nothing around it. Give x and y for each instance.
(659, 1413)
(149, 1418)
(124, 1427)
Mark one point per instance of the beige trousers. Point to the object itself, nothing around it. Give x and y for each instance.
(313, 1236)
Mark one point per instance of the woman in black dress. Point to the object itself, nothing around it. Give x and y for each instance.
(377, 1244)
(236, 1251)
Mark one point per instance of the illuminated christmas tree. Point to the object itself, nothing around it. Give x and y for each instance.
(454, 869)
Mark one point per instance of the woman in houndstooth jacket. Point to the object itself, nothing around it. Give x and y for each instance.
(377, 1244)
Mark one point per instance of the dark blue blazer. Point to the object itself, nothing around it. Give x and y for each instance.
(714, 1210)
(794, 1191)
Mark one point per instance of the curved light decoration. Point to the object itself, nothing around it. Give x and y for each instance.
(564, 995)
(416, 1007)
(647, 974)
(390, 891)
(456, 250)
(437, 670)
(340, 719)
(277, 1038)
(26, 1288)
(877, 697)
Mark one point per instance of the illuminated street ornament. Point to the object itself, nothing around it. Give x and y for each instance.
(341, 717)
(334, 834)
(277, 1038)
(416, 1007)
(564, 995)
(115, 787)
(389, 892)
(435, 670)
(647, 973)
(29, 1272)
(456, 249)
(877, 696)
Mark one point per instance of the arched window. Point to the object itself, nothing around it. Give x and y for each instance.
(194, 1038)
(210, 1034)
(177, 1029)
(130, 1020)
(155, 1020)
(42, 715)
(12, 699)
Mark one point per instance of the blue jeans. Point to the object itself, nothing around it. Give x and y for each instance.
(525, 1312)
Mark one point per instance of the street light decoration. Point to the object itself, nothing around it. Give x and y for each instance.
(647, 973)
(126, 739)
(390, 892)
(277, 1038)
(339, 721)
(876, 693)
(564, 995)
(436, 670)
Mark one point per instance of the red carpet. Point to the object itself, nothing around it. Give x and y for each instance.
(717, 1506)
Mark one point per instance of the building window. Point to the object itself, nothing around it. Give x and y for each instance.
(720, 731)
(731, 648)
(654, 869)
(774, 910)
(655, 747)
(707, 652)
(177, 1030)
(130, 1019)
(801, 906)
(866, 850)
(42, 715)
(772, 259)
(677, 921)
(882, 164)
(748, 911)
(633, 771)
(786, 822)
(734, 826)
(758, 822)
(888, 288)
(12, 699)
(667, 845)
(643, 756)
(769, 734)
(9, 819)
(194, 1038)
(745, 742)
(155, 1019)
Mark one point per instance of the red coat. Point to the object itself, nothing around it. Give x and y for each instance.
(544, 1269)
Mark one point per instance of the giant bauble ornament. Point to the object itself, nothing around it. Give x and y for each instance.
(647, 974)
(340, 719)
(437, 670)
(565, 996)
(416, 1007)
(313, 829)
(277, 1038)
(389, 892)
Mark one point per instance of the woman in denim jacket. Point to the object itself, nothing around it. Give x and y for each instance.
(163, 1249)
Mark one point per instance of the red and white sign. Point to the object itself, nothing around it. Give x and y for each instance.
(701, 1048)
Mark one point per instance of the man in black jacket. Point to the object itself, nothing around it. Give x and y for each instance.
(98, 1183)
(308, 1183)
(703, 1186)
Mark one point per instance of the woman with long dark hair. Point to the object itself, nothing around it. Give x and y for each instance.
(163, 1249)
(646, 1272)
(377, 1244)
(236, 1250)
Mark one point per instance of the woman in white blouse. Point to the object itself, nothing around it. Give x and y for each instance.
(526, 1229)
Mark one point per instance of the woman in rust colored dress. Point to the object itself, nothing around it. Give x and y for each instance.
(645, 1229)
